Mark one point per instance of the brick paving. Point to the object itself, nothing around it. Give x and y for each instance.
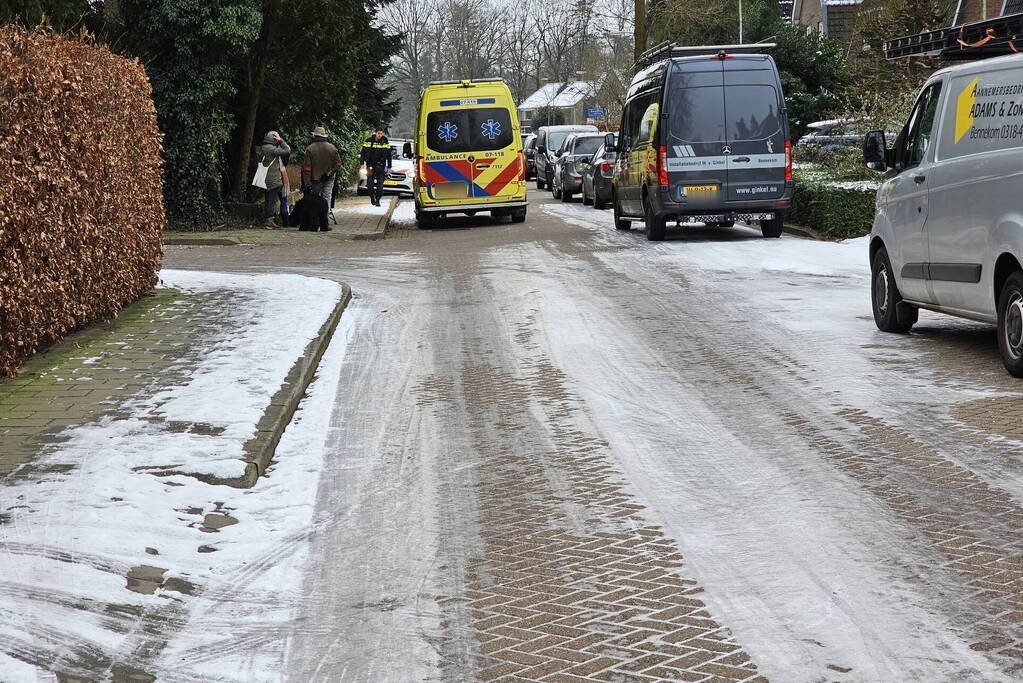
(94, 372)
(574, 584)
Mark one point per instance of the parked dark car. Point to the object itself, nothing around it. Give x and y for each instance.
(567, 178)
(598, 171)
(529, 150)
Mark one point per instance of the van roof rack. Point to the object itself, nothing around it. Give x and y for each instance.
(979, 40)
(668, 50)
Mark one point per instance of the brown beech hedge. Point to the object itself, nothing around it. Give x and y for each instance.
(81, 211)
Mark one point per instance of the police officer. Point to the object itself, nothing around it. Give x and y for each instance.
(376, 157)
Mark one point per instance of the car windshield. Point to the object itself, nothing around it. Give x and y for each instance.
(587, 145)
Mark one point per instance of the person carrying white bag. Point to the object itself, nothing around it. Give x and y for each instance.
(269, 173)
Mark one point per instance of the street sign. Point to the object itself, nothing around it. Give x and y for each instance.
(596, 113)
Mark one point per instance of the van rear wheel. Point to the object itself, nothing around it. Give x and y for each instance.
(656, 226)
(891, 313)
(1010, 324)
(773, 227)
(518, 215)
(619, 223)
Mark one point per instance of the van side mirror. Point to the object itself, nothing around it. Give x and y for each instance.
(406, 150)
(609, 142)
(875, 151)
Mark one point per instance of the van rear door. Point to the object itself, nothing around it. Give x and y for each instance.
(478, 144)
(755, 130)
(694, 137)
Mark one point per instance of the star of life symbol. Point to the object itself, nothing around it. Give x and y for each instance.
(770, 147)
(491, 129)
(448, 131)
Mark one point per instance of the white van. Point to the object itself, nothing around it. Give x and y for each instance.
(948, 227)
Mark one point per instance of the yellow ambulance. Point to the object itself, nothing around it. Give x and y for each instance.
(469, 152)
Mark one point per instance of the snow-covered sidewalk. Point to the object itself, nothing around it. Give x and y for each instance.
(110, 544)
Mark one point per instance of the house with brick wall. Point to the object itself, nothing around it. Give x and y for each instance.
(834, 18)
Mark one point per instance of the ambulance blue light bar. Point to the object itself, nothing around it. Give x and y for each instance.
(468, 102)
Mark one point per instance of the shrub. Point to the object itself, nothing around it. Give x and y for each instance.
(836, 210)
(80, 188)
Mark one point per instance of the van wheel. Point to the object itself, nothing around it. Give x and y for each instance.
(425, 220)
(655, 227)
(555, 191)
(1010, 324)
(566, 196)
(597, 203)
(773, 227)
(619, 223)
(518, 215)
(891, 313)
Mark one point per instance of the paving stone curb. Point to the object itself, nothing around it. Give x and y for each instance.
(201, 241)
(260, 450)
(382, 225)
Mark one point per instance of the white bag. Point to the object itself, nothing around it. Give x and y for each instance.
(259, 180)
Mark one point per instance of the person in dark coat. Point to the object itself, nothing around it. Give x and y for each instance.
(321, 165)
(376, 157)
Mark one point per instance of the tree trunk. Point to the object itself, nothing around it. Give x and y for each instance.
(640, 29)
(261, 57)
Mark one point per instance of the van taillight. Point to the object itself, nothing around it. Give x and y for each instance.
(788, 160)
(662, 166)
(420, 171)
(522, 165)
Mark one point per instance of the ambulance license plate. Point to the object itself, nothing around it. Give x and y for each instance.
(454, 190)
(698, 191)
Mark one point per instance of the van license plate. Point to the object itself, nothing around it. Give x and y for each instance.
(454, 190)
(698, 190)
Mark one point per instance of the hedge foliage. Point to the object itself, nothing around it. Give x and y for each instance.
(834, 212)
(81, 208)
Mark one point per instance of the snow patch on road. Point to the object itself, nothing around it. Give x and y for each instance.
(70, 539)
(787, 255)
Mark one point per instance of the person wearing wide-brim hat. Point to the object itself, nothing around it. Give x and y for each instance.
(320, 165)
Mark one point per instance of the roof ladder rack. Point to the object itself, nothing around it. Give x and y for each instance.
(668, 50)
(981, 39)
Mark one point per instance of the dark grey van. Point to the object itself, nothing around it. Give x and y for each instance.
(704, 138)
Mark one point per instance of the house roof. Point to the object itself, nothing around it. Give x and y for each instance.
(542, 97)
(559, 95)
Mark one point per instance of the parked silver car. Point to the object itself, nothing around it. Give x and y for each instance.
(948, 230)
(549, 140)
(832, 134)
(567, 178)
